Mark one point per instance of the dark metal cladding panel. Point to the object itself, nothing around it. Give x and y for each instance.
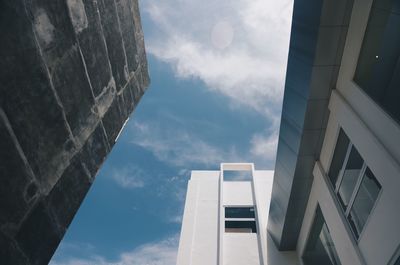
(294, 108)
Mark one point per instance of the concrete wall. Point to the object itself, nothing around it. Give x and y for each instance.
(237, 193)
(198, 244)
(71, 72)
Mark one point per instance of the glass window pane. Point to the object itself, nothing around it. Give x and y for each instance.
(240, 227)
(338, 156)
(239, 212)
(320, 248)
(378, 68)
(363, 202)
(237, 175)
(350, 176)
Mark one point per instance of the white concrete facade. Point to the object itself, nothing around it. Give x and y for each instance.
(203, 237)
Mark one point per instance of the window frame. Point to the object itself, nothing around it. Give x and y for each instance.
(241, 219)
(336, 186)
(317, 213)
(340, 180)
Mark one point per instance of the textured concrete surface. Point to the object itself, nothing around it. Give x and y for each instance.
(71, 72)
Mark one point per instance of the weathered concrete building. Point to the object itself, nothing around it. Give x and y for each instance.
(71, 72)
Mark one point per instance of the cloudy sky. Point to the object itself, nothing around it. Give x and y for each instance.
(217, 72)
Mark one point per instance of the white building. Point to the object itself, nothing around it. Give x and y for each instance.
(335, 196)
(225, 219)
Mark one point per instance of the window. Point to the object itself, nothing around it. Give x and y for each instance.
(351, 171)
(363, 202)
(378, 67)
(355, 185)
(240, 227)
(320, 248)
(339, 156)
(239, 212)
(240, 220)
(237, 175)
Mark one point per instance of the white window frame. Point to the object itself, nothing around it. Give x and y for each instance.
(356, 188)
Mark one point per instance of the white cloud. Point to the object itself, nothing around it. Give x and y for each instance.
(129, 177)
(238, 48)
(264, 145)
(157, 253)
(177, 219)
(179, 147)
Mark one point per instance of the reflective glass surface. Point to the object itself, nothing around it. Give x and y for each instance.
(320, 248)
(378, 68)
(240, 227)
(350, 176)
(338, 156)
(363, 202)
(239, 212)
(234, 175)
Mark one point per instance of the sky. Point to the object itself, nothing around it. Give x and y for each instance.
(217, 73)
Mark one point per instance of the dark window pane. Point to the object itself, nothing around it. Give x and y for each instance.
(239, 212)
(350, 176)
(240, 227)
(363, 202)
(338, 156)
(378, 68)
(320, 248)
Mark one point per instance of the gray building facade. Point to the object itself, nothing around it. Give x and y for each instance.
(71, 73)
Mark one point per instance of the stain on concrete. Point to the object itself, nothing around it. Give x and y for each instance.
(43, 27)
(78, 15)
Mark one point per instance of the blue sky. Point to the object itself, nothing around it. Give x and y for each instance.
(217, 73)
